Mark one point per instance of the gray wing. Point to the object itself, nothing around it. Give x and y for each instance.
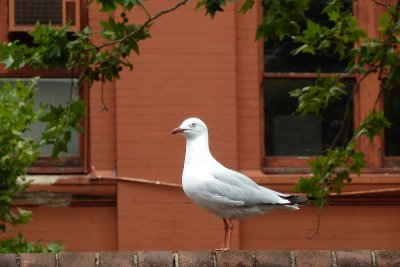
(234, 186)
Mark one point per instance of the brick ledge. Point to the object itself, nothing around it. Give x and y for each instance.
(288, 258)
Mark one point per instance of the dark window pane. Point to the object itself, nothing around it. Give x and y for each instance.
(278, 57)
(28, 12)
(70, 8)
(289, 134)
(392, 112)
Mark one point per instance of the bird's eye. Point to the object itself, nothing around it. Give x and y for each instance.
(193, 125)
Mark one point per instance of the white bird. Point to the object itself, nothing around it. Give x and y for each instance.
(226, 193)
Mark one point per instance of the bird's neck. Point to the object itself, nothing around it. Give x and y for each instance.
(197, 149)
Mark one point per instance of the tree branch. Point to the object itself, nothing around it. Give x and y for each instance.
(387, 6)
(149, 20)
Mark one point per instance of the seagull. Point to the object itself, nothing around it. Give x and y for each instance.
(226, 193)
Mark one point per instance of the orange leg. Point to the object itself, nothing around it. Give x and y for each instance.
(228, 227)
(229, 233)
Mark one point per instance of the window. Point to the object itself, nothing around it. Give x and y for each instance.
(55, 91)
(24, 14)
(292, 140)
(55, 84)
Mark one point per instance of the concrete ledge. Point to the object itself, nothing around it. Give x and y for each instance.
(317, 258)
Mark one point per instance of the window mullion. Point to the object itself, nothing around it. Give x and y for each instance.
(366, 98)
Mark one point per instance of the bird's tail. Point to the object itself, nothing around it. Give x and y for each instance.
(298, 200)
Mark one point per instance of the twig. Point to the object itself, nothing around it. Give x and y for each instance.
(314, 232)
(145, 10)
(144, 25)
(347, 108)
(387, 6)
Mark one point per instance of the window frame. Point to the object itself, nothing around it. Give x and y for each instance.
(63, 164)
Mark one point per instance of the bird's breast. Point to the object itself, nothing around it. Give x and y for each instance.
(194, 181)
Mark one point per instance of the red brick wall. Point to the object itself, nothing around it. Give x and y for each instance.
(162, 218)
(188, 68)
(192, 66)
(250, 67)
(77, 228)
(102, 144)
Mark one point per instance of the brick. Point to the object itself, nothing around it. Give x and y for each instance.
(67, 259)
(276, 258)
(353, 258)
(155, 258)
(234, 258)
(195, 258)
(125, 259)
(387, 258)
(8, 260)
(316, 258)
(37, 259)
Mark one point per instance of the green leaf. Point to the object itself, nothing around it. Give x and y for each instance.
(8, 62)
(25, 216)
(211, 6)
(372, 125)
(305, 48)
(129, 4)
(247, 5)
(107, 5)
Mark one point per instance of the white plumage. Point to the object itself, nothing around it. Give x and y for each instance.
(226, 193)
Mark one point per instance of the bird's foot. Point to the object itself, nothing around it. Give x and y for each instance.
(224, 249)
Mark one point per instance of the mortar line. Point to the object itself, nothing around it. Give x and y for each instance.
(333, 258)
(373, 256)
(17, 260)
(292, 259)
(214, 256)
(135, 259)
(97, 259)
(176, 259)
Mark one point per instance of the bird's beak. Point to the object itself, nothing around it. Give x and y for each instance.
(178, 130)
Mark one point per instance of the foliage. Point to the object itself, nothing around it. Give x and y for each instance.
(343, 39)
(77, 52)
(18, 244)
(314, 98)
(18, 151)
(367, 56)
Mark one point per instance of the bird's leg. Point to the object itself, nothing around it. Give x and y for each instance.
(226, 233)
(228, 227)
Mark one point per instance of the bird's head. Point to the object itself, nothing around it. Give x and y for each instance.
(191, 128)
